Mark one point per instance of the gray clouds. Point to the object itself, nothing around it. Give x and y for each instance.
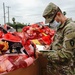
(30, 11)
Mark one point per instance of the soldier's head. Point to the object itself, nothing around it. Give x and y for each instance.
(53, 14)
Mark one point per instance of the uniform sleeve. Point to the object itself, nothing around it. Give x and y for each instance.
(67, 52)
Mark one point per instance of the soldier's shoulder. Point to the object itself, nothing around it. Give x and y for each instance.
(69, 28)
(70, 25)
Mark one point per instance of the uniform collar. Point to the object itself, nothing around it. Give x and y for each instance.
(66, 22)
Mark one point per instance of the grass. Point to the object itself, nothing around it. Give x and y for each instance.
(19, 30)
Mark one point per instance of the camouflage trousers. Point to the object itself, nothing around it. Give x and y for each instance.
(53, 69)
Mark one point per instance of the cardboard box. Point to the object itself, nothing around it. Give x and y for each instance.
(34, 69)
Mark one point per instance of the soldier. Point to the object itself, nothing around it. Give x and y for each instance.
(61, 56)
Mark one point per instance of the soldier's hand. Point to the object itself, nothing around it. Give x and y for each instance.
(38, 54)
(47, 47)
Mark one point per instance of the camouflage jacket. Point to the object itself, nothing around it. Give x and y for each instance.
(61, 57)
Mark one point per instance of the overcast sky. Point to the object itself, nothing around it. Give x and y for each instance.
(30, 11)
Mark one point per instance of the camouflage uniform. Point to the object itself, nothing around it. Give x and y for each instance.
(61, 57)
